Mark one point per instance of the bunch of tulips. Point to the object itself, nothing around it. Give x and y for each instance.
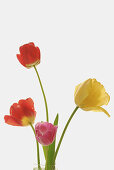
(89, 96)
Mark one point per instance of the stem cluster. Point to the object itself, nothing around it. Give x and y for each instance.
(50, 150)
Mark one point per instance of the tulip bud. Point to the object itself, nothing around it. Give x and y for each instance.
(29, 55)
(45, 133)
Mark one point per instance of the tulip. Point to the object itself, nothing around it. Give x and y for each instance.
(21, 113)
(45, 133)
(91, 95)
(29, 55)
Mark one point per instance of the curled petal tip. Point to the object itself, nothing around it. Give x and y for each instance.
(103, 110)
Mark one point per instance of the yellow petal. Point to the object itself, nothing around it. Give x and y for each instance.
(97, 95)
(97, 109)
(76, 88)
(82, 91)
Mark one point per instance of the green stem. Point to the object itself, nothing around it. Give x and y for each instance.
(64, 131)
(47, 117)
(38, 154)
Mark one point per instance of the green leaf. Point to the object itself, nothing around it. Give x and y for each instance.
(56, 119)
(51, 148)
(45, 149)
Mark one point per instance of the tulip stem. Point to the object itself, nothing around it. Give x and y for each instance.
(38, 154)
(61, 138)
(47, 117)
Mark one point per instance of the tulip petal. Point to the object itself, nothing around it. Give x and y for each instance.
(38, 52)
(97, 95)
(27, 107)
(29, 53)
(82, 91)
(97, 109)
(28, 103)
(16, 111)
(19, 57)
(12, 121)
(76, 88)
(31, 43)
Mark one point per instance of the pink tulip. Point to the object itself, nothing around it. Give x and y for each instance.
(45, 133)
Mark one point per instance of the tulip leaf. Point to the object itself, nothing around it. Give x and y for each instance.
(51, 148)
(45, 149)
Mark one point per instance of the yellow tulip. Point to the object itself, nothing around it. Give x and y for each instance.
(91, 95)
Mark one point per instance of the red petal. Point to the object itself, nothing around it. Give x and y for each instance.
(29, 53)
(38, 53)
(20, 58)
(30, 102)
(10, 120)
(31, 43)
(16, 111)
(28, 107)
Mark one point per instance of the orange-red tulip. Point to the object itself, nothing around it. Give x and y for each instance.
(21, 113)
(29, 55)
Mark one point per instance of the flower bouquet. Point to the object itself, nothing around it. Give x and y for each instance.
(88, 96)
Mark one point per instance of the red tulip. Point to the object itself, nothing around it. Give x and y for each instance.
(29, 55)
(45, 133)
(21, 113)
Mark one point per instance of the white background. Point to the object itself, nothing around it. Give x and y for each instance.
(76, 39)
